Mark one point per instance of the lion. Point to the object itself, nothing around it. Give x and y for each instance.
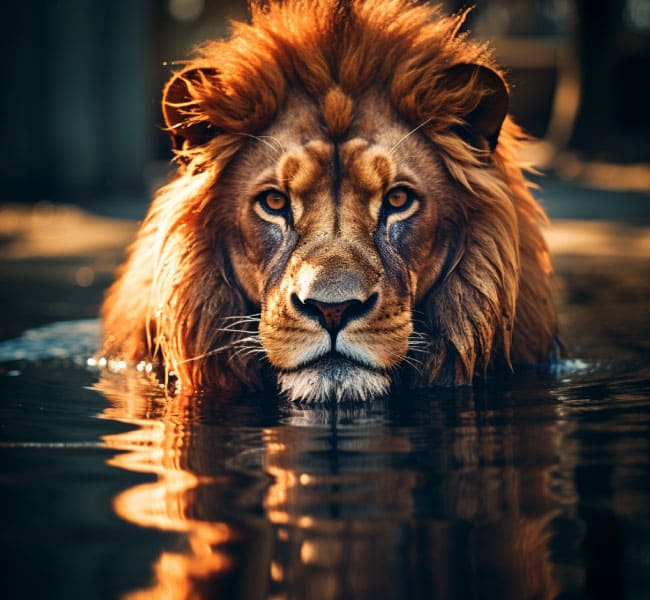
(349, 213)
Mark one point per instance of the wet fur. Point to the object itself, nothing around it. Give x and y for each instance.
(187, 298)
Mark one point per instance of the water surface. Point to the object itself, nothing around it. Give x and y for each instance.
(535, 486)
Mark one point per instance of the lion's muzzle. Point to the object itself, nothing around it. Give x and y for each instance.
(314, 328)
(334, 316)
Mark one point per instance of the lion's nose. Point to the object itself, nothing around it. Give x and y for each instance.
(333, 316)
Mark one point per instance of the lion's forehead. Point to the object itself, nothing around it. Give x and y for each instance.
(356, 165)
(311, 150)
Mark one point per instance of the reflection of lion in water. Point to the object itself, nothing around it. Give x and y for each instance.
(348, 213)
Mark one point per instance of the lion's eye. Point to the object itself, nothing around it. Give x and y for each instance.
(273, 202)
(399, 199)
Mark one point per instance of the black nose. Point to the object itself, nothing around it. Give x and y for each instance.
(333, 316)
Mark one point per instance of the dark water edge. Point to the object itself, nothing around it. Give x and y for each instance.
(536, 487)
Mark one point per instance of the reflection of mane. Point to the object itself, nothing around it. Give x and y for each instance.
(234, 89)
(337, 505)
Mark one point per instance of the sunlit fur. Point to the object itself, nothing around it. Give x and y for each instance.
(373, 76)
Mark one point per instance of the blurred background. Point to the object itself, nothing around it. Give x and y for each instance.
(82, 149)
(80, 129)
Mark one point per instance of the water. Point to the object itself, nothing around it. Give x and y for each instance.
(536, 486)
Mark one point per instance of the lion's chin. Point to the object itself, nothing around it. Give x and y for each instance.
(333, 379)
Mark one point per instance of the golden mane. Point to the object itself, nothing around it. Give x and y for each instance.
(237, 86)
(234, 89)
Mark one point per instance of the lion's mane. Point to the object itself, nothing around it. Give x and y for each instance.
(170, 298)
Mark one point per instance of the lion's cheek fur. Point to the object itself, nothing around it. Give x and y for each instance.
(244, 273)
(472, 305)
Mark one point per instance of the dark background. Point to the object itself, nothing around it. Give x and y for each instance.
(81, 135)
(82, 79)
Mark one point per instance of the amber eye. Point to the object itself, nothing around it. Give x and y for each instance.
(399, 198)
(273, 202)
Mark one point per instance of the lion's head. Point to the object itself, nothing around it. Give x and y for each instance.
(348, 212)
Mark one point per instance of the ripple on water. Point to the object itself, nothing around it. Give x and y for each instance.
(518, 475)
(69, 340)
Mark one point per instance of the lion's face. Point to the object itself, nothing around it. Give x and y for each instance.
(350, 174)
(337, 243)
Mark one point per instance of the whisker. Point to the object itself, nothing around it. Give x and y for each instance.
(419, 344)
(239, 343)
(419, 338)
(247, 343)
(263, 139)
(410, 133)
(254, 316)
(241, 321)
(419, 349)
(415, 337)
(419, 334)
(255, 339)
(205, 354)
(245, 352)
(409, 360)
(422, 323)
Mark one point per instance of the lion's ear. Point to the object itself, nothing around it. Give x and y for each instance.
(483, 122)
(182, 106)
